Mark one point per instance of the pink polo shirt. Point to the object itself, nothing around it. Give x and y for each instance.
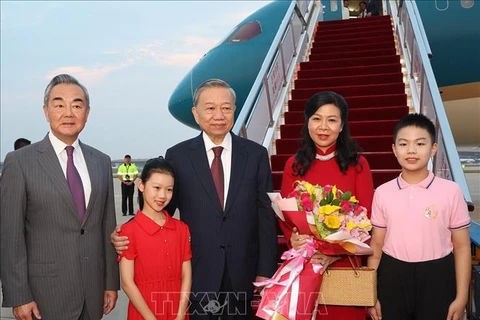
(419, 219)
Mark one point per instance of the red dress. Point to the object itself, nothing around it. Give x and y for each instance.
(357, 180)
(159, 252)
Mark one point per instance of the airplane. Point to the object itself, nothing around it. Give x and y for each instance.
(236, 59)
(448, 24)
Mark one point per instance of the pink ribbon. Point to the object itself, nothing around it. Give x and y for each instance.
(296, 260)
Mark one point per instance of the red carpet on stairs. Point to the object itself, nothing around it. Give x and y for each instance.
(356, 58)
(356, 70)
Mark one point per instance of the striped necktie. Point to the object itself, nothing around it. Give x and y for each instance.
(75, 184)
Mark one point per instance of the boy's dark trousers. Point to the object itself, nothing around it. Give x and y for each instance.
(127, 193)
(416, 290)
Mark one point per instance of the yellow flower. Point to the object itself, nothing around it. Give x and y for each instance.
(306, 185)
(332, 222)
(334, 191)
(353, 199)
(328, 209)
(309, 187)
(365, 225)
(351, 225)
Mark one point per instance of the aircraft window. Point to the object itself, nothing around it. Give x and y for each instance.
(246, 32)
(442, 5)
(467, 4)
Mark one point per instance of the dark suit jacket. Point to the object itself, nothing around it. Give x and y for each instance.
(48, 254)
(373, 7)
(245, 233)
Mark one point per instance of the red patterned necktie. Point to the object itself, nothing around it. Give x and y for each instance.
(75, 184)
(217, 172)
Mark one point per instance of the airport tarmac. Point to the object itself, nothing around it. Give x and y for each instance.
(119, 313)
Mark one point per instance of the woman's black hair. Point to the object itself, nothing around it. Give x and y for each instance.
(347, 148)
(154, 165)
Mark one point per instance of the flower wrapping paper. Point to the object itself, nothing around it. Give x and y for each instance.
(292, 293)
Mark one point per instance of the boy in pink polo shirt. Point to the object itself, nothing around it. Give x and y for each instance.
(420, 239)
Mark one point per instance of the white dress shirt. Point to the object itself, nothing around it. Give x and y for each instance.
(226, 159)
(345, 13)
(78, 161)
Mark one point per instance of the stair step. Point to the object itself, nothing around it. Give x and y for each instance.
(349, 80)
(357, 128)
(376, 160)
(345, 55)
(347, 33)
(354, 22)
(353, 47)
(351, 71)
(353, 36)
(386, 100)
(358, 28)
(352, 62)
(365, 39)
(356, 114)
(382, 176)
(349, 91)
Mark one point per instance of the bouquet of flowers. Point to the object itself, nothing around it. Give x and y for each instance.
(338, 225)
(335, 219)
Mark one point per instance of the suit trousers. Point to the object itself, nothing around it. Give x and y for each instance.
(230, 306)
(127, 194)
(84, 314)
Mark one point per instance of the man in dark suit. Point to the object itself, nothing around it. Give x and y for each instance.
(56, 213)
(373, 8)
(231, 222)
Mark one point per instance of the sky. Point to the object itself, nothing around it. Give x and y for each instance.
(129, 55)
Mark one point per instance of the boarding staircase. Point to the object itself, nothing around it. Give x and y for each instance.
(357, 59)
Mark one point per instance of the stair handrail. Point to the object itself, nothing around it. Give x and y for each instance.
(259, 114)
(419, 22)
(424, 89)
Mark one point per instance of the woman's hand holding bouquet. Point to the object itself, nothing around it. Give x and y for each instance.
(299, 241)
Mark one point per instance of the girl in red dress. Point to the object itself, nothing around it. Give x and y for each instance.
(156, 272)
(328, 156)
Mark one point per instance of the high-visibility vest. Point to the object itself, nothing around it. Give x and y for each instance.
(127, 172)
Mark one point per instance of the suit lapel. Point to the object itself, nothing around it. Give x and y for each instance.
(237, 169)
(199, 160)
(92, 168)
(49, 162)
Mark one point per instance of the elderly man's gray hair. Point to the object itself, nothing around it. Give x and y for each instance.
(212, 83)
(64, 79)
